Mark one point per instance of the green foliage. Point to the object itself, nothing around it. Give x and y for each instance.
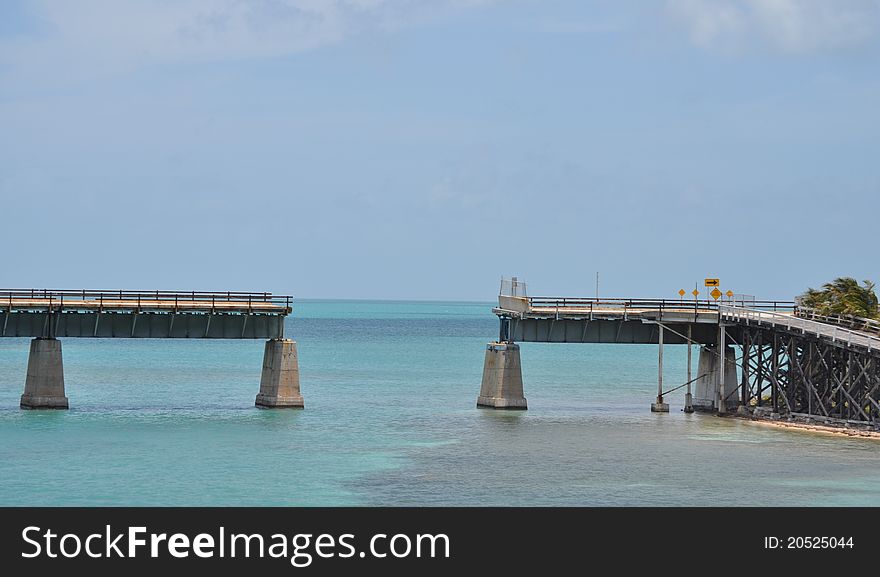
(843, 296)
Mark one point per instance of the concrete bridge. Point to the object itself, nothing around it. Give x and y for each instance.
(769, 358)
(47, 315)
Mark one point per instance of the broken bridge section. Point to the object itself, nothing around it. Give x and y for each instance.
(764, 358)
(48, 315)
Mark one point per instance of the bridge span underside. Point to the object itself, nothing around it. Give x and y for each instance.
(551, 330)
(145, 324)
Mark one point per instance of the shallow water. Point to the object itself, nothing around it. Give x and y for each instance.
(390, 389)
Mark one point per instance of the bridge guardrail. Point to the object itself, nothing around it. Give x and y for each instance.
(57, 297)
(612, 303)
(836, 333)
(848, 321)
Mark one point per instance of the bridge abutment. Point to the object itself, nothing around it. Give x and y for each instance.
(502, 386)
(706, 386)
(44, 384)
(279, 384)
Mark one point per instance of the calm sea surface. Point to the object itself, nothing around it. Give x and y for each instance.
(390, 389)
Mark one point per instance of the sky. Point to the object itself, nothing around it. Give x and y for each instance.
(415, 149)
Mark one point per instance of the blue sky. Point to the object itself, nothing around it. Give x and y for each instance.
(421, 150)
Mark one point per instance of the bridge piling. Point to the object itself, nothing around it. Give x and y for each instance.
(502, 386)
(771, 375)
(44, 384)
(688, 397)
(745, 393)
(279, 384)
(659, 406)
(720, 397)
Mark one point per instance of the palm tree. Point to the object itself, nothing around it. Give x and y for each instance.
(843, 296)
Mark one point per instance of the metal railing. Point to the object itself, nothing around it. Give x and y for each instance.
(743, 298)
(59, 298)
(791, 322)
(513, 287)
(680, 304)
(849, 321)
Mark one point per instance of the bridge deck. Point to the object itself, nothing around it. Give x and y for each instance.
(676, 310)
(579, 312)
(142, 314)
(145, 305)
(529, 317)
(143, 301)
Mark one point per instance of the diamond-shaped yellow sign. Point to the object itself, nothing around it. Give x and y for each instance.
(716, 294)
(696, 293)
(681, 292)
(729, 294)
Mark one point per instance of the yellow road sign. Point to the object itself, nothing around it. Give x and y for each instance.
(696, 293)
(729, 294)
(713, 282)
(716, 294)
(681, 292)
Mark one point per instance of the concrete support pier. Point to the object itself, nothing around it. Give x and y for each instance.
(279, 385)
(44, 385)
(707, 383)
(502, 386)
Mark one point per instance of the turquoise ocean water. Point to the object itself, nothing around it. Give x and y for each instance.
(390, 389)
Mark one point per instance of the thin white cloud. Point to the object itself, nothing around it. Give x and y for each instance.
(113, 34)
(787, 25)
